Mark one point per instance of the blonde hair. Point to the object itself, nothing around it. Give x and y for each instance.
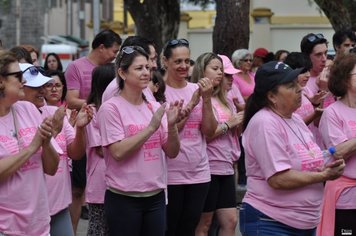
(199, 70)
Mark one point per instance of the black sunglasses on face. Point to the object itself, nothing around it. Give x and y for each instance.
(17, 74)
(175, 42)
(314, 37)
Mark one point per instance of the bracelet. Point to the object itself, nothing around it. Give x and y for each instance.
(228, 127)
(224, 128)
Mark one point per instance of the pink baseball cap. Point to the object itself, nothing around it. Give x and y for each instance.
(228, 67)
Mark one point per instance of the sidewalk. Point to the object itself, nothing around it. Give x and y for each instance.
(83, 225)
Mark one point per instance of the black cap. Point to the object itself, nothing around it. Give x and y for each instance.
(274, 73)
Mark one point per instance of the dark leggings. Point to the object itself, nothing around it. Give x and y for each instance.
(185, 205)
(345, 222)
(135, 216)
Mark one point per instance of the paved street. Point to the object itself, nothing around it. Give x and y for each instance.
(83, 225)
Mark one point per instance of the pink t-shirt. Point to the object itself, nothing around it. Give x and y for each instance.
(246, 88)
(312, 88)
(272, 146)
(23, 196)
(96, 186)
(235, 93)
(337, 125)
(191, 166)
(59, 186)
(113, 90)
(143, 171)
(78, 76)
(224, 150)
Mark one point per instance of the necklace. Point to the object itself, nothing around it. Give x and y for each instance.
(299, 137)
(13, 131)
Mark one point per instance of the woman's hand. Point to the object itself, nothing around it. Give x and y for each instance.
(45, 130)
(318, 98)
(235, 120)
(57, 121)
(73, 117)
(334, 169)
(157, 117)
(85, 115)
(173, 113)
(206, 88)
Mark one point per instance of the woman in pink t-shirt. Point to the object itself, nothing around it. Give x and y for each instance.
(338, 127)
(135, 135)
(285, 167)
(244, 79)
(307, 110)
(189, 173)
(222, 149)
(26, 153)
(70, 140)
(95, 172)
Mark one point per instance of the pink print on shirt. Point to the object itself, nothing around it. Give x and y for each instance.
(311, 159)
(191, 129)
(151, 146)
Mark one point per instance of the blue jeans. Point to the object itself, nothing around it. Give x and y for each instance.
(253, 223)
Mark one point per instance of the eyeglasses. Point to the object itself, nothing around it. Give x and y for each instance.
(246, 60)
(313, 37)
(129, 50)
(50, 86)
(175, 42)
(17, 74)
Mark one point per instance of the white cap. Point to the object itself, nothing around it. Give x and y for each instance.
(36, 80)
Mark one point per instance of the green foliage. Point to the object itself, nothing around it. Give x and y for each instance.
(4, 5)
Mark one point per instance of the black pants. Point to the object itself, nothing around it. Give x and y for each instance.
(185, 205)
(135, 216)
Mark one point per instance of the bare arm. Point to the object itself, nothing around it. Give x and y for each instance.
(50, 157)
(293, 179)
(172, 146)
(125, 148)
(73, 100)
(76, 149)
(232, 125)
(9, 165)
(346, 149)
(209, 123)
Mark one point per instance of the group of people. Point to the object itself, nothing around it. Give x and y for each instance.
(153, 146)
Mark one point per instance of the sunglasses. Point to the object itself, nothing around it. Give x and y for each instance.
(129, 50)
(34, 70)
(246, 60)
(17, 74)
(175, 42)
(314, 37)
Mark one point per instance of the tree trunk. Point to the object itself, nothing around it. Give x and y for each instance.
(337, 12)
(157, 20)
(232, 27)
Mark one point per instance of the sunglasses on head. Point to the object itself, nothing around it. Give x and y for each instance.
(17, 74)
(34, 70)
(175, 42)
(313, 37)
(129, 50)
